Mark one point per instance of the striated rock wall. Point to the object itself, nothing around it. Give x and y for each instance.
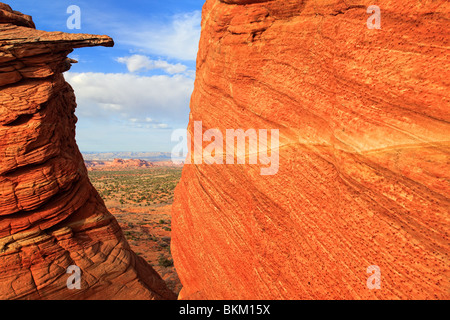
(364, 173)
(50, 215)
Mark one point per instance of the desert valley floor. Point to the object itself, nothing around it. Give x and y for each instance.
(140, 198)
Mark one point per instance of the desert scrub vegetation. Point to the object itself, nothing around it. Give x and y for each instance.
(144, 187)
(165, 262)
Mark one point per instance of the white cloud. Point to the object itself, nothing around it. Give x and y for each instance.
(139, 62)
(138, 100)
(136, 120)
(148, 123)
(177, 39)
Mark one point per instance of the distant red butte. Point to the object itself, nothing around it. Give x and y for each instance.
(117, 164)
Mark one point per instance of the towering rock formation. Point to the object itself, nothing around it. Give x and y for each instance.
(364, 173)
(50, 215)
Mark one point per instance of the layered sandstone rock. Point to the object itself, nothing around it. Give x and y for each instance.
(364, 150)
(50, 215)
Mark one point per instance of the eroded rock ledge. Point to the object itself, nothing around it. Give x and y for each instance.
(50, 215)
(364, 159)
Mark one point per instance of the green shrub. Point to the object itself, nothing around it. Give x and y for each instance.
(164, 262)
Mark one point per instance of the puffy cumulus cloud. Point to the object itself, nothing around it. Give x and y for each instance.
(177, 39)
(139, 62)
(151, 101)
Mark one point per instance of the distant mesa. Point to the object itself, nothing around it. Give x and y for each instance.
(148, 156)
(117, 164)
(132, 163)
(144, 160)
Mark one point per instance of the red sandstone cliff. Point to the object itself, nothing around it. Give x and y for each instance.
(364, 159)
(50, 215)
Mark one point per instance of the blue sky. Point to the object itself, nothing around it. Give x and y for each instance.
(133, 96)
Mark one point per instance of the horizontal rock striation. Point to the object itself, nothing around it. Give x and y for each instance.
(50, 215)
(363, 179)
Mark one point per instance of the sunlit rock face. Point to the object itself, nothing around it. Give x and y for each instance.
(363, 179)
(51, 217)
